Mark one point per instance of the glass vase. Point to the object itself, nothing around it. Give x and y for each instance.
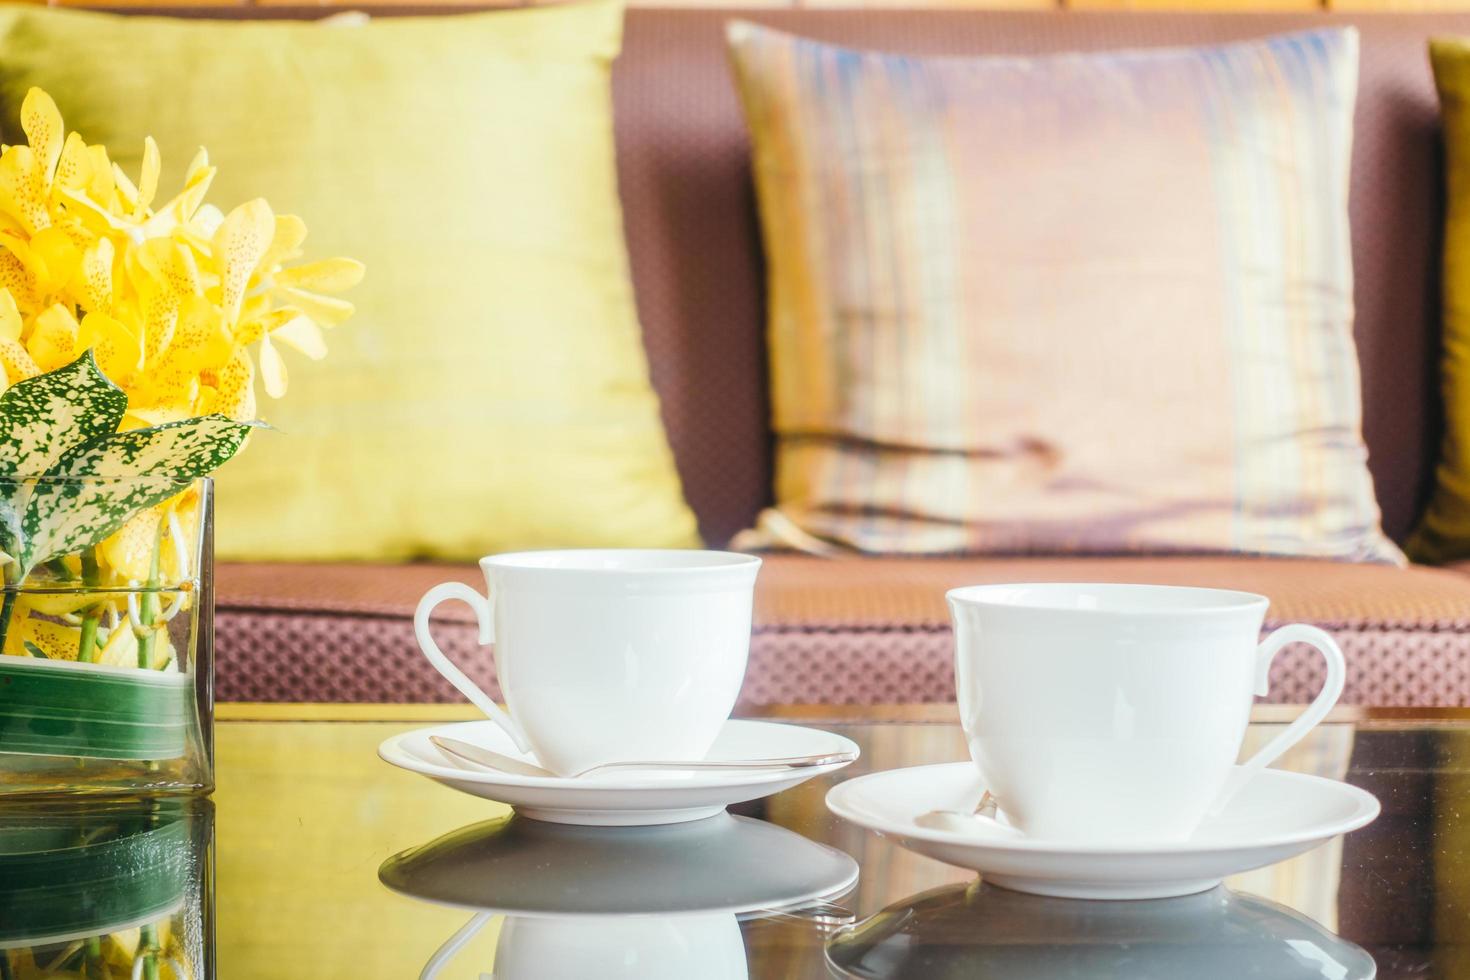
(106, 683)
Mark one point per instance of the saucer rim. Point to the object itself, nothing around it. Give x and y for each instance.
(1367, 809)
(390, 751)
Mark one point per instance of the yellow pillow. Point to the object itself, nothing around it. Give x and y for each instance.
(492, 391)
(1444, 533)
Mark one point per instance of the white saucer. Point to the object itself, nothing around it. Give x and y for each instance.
(621, 798)
(1277, 815)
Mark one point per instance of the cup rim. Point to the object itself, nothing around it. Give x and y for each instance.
(1185, 600)
(685, 561)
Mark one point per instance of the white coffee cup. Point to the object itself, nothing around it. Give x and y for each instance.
(1116, 713)
(608, 655)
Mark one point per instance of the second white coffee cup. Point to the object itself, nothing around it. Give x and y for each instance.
(608, 655)
(1115, 713)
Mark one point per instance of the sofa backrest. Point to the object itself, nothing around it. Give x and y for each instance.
(695, 246)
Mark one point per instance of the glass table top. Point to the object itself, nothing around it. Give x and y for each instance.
(323, 862)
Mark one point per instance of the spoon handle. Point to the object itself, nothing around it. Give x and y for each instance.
(486, 759)
(794, 762)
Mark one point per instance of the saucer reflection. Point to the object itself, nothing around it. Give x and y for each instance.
(106, 890)
(979, 931)
(647, 902)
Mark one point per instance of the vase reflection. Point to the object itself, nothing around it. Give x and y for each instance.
(120, 889)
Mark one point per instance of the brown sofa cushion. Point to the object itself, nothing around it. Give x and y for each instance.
(853, 631)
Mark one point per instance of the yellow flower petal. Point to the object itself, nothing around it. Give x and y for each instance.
(171, 265)
(102, 189)
(206, 404)
(235, 384)
(169, 385)
(327, 275)
(257, 325)
(148, 177)
(16, 279)
(10, 322)
(121, 648)
(118, 350)
(91, 214)
(97, 275)
(207, 221)
(74, 168)
(304, 336)
(325, 310)
(147, 418)
(23, 189)
(60, 603)
(185, 511)
(56, 641)
(199, 168)
(182, 210)
(239, 244)
(286, 245)
(272, 368)
(53, 342)
(17, 362)
(41, 121)
(127, 191)
(128, 552)
(54, 259)
(200, 340)
(165, 275)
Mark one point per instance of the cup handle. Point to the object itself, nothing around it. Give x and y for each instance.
(1308, 719)
(483, 612)
(451, 946)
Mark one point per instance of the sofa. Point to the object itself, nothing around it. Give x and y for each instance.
(875, 629)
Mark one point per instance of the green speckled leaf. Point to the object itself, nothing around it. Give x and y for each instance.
(41, 419)
(68, 478)
(94, 488)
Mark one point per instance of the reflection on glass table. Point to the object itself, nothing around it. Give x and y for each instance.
(634, 902)
(311, 824)
(104, 890)
(979, 931)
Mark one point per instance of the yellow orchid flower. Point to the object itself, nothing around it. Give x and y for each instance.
(185, 306)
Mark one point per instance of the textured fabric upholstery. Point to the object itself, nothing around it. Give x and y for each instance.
(850, 631)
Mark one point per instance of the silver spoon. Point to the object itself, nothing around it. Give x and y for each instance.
(487, 759)
(986, 813)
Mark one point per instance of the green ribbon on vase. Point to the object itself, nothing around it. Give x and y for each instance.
(93, 711)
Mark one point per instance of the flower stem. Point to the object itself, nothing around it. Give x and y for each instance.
(148, 605)
(7, 609)
(92, 959)
(148, 947)
(91, 578)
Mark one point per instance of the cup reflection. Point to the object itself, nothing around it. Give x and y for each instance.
(647, 902)
(114, 889)
(979, 931)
